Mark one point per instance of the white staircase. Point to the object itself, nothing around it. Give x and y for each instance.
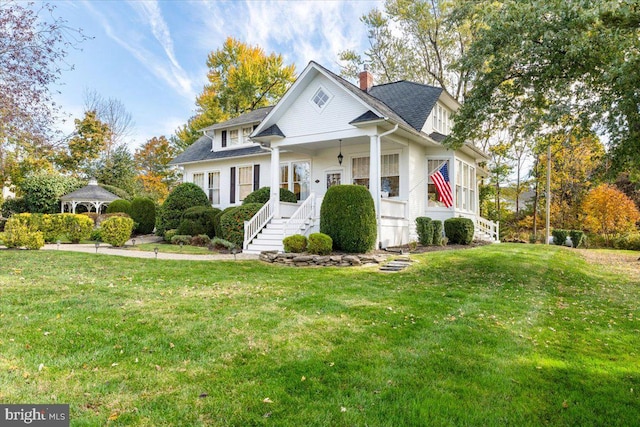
(269, 239)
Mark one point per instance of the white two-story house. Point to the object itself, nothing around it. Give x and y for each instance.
(326, 131)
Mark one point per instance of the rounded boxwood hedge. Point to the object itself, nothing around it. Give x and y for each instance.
(263, 195)
(119, 205)
(295, 244)
(198, 220)
(319, 243)
(143, 213)
(459, 230)
(183, 197)
(116, 230)
(232, 222)
(348, 216)
(216, 221)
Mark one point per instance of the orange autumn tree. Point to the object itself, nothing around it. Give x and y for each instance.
(609, 212)
(156, 175)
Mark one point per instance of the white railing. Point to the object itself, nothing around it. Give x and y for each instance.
(300, 220)
(257, 223)
(392, 208)
(489, 228)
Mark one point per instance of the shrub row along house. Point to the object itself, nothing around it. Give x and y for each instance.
(326, 131)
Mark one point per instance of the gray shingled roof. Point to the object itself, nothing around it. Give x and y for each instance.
(272, 130)
(255, 116)
(411, 101)
(91, 192)
(201, 150)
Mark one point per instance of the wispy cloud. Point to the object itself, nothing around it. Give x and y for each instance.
(163, 66)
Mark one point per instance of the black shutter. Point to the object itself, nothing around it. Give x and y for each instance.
(256, 177)
(224, 138)
(232, 191)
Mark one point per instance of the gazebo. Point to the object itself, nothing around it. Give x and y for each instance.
(92, 196)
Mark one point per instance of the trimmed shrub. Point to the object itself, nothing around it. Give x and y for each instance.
(183, 197)
(295, 244)
(116, 230)
(119, 205)
(437, 232)
(216, 221)
(319, 244)
(143, 212)
(13, 206)
(348, 216)
(77, 227)
(200, 240)
(198, 220)
(577, 238)
(34, 240)
(459, 230)
(559, 236)
(168, 235)
(218, 243)
(263, 195)
(424, 230)
(181, 238)
(232, 222)
(53, 227)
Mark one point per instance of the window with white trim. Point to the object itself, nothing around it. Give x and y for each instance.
(245, 181)
(465, 186)
(432, 194)
(245, 134)
(441, 119)
(198, 179)
(296, 177)
(214, 187)
(321, 98)
(233, 137)
(389, 173)
(284, 176)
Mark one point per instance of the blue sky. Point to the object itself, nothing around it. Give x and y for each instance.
(151, 55)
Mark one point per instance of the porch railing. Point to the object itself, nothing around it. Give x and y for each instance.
(257, 223)
(300, 220)
(488, 228)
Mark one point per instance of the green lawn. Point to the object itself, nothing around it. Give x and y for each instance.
(497, 335)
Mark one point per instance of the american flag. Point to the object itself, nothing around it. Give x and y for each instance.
(441, 180)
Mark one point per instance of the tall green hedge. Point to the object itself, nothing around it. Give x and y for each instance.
(143, 213)
(232, 222)
(459, 230)
(183, 197)
(119, 205)
(437, 232)
(264, 194)
(42, 191)
(348, 216)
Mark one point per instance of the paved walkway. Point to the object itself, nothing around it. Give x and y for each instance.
(110, 250)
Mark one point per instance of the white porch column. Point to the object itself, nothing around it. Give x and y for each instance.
(275, 180)
(374, 179)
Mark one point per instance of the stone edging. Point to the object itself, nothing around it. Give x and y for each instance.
(308, 260)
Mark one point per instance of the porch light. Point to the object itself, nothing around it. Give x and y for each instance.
(340, 156)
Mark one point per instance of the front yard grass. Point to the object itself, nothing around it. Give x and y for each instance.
(496, 335)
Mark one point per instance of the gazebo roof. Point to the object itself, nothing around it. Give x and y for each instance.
(90, 193)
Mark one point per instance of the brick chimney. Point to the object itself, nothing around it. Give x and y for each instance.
(366, 80)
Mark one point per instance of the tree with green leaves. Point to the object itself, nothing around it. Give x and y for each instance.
(241, 78)
(118, 170)
(415, 40)
(85, 146)
(533, 64)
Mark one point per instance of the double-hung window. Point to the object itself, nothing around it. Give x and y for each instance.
(214, 188)
(245, 181)
(198, 179)
(389, 173)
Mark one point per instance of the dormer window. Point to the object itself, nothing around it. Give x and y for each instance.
(441, 119)
(321, 98)
(233, 137)
(245, 134)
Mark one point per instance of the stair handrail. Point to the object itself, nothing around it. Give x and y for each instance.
(257, 223)
(304, 212)
(489, 227)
